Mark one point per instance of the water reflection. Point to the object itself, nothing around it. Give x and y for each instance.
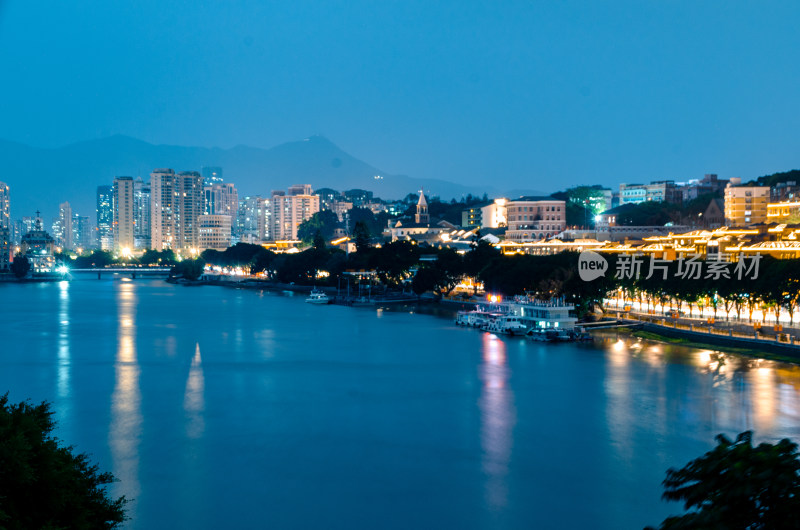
(63, 344)
(194, 398)
(126, 415)
(727, 392)
(498, 417)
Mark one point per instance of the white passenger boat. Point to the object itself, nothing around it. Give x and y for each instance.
(318, 297)
(505, 325)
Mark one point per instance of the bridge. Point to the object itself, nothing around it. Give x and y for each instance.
(134, 272)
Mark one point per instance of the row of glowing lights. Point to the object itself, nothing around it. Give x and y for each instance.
(707, 311)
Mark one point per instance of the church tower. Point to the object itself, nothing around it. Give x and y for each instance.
(422, 217)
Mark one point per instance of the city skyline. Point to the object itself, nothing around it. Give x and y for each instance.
(523, 94)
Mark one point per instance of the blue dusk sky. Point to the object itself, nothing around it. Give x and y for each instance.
(527, 94)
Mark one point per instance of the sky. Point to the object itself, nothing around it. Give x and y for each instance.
(520, 94)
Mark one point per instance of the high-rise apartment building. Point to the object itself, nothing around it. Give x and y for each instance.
(123, 213)
(141, 214)
(105, 217)
(220, 199)
(62, 227)
(289, 210)
(82, 232)
(252, 222)
(746, 205)
(5, 206)
(190, 207)
(176, 202)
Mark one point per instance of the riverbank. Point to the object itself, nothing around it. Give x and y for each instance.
(750, 347)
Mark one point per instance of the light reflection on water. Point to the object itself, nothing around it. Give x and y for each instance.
(126, 414)
(194, 399)
(221, 408)
(497, 419)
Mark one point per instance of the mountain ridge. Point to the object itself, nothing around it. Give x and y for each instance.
(42, 178)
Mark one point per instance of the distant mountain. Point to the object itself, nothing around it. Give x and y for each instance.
(43, 178)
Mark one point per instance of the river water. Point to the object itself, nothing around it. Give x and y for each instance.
(222, 408)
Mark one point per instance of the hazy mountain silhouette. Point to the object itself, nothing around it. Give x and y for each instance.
(42, 178)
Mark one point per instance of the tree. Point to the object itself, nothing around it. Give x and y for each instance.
(361, 236)
(424, 280)
(42, 483)
(191, 269)
(738, 486)
(21, 266)
(324, 222)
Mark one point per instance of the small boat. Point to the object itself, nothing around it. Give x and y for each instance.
(318, 297)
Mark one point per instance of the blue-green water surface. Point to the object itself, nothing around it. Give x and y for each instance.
(223, 408)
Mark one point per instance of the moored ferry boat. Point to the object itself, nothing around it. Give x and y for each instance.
(523, 315)
(318, 297)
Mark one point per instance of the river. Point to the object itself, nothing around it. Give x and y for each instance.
(223, 408)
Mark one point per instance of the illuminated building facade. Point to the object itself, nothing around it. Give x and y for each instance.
(124, 207)
(535, 218)
(290, 209)
(746, 205)
(105, 217)
(214, 232)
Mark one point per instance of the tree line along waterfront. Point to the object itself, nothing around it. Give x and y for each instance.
(754, 287)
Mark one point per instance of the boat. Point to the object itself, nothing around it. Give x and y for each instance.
(505, 324)
(475, 318)
(318, 297)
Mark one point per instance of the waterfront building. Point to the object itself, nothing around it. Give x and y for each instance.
(141, 214)
(746, 205)
(252, 221)
(105, 217)
(535, 218)
(123, 213)
(290, 209)
(176, 201)
(38, 246)
(214, 232)
(5, 206)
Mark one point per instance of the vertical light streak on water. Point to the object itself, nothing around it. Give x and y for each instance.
(194, 398)
(63, 341)
(64, 364)
(619, 402)
(498, 417)
(126, 412)
(764, 400)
